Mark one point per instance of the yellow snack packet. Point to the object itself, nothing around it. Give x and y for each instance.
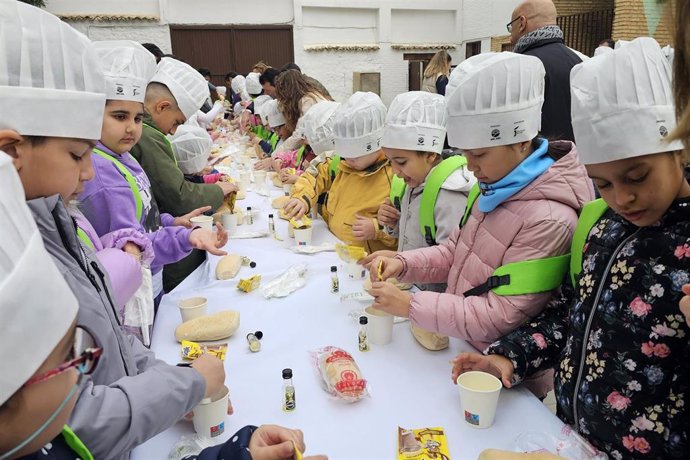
(249, 284)
(192, 350)
(292, 171)
(302, 222)
(298, 454)
(422, 444)
(350, 253)
(379, 271)
(230, 201)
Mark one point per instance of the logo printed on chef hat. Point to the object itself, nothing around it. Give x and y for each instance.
(317, 126)
(616, 116)
(48, 69)
(494, 99)
(187, 85)
(358, 126)
(40, 318)
(273, 114)
(191, 146)
(128, 67)
(416, 120)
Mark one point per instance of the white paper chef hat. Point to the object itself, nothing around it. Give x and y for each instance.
(416, 120)
(36, 305)
(622, 104)
(273, 114)
(252, 82)
(50, 81)
(359, 124)
(239, 86)
(602, 50)
(192, 146)
(260, 103)
(128, 68)
(495, 99)
(187, 85)
(317, 126)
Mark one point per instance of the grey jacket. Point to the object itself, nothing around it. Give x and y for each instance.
(448, 212)
(131, 396)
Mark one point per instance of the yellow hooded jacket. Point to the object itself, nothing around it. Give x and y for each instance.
(350, 193)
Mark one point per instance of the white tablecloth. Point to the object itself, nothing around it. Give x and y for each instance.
(410, 386)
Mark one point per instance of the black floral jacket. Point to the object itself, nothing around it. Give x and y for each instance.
(618, 341)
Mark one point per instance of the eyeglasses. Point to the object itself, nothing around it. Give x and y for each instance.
(509, 26)
(87, 355)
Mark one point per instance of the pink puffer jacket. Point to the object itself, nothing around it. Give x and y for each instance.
(537, 222)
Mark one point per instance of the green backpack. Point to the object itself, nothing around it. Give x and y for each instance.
(539, 275)
(434, 181)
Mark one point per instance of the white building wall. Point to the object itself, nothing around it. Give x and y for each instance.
(379, 24)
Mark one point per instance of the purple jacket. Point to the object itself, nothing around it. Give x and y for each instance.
(124, 270)
(108, 203)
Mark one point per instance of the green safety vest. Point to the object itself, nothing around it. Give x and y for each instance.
(334, 166)
(75, 444)
(434, 181)
(539, 275)
(129, 177)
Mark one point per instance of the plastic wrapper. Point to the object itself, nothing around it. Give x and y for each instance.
(249, 284)
(192, 350)
(568, 445)
(139, 310)
(350, 254)
(190, 446)
(302, 222)
(288, 282)
(339, 374)
(422, 444)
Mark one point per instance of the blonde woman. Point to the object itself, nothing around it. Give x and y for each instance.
(436, 73)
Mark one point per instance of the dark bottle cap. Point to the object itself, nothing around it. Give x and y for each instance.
(363, 320)
(334, 269)
(249, 208)
(259, 335)
(252, 264)
(270, 216)
(287, 373)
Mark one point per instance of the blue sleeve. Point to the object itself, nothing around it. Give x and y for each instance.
(266, 147)
(441, 83)
(235, 448)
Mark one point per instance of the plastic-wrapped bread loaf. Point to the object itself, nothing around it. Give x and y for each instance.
(217, 326)
(279, 202)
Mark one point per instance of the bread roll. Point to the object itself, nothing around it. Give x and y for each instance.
(210, 327)
(277, 182)
(402, 286)
(430, 340)
(279, 202)
(495, 454)
(228, 267)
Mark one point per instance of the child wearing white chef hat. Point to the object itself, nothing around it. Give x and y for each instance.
(505, 262)
(357, 179)
(54, 69)
(615, 336)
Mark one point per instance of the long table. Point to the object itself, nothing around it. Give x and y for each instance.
(410, 386)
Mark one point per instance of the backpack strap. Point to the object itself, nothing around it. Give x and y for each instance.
(471, 198)
(129, 177)
(334, 166)
(397, 191)
(84, 238)
(432, 186)
(525, 277)
(589, 216)
(76, 444)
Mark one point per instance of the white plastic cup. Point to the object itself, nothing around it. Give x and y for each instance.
(194, 307)
(303, 236)
(479, 393)
(355, 271)
(203, 222)
(210, 414)
(229, 222)
(245, 179)
(379, 326)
